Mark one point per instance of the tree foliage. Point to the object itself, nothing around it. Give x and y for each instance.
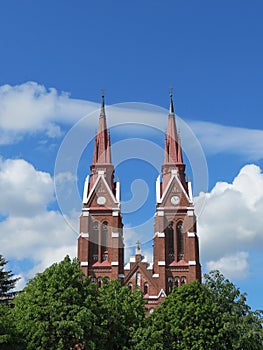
(57, 307)
(121, 313)
(209, 316)
(7, 282)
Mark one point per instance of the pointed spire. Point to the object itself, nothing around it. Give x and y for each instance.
(171, 111)
(102, 154)
(102, 109)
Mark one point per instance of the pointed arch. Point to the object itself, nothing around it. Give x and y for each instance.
(104, 240)
(170, 231)
(180, 240)
(95, 240)
(146, 288)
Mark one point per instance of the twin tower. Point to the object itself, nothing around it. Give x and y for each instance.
(101, 242)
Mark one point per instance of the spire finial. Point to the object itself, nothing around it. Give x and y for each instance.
(102, 111)
(171, 101)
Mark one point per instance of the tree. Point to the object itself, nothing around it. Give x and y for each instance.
(242, 327)
(209, 316)
(121, 312)
(7, 282)
(57, 307)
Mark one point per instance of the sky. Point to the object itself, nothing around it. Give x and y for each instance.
(56, 56)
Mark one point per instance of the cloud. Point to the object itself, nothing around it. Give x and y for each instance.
(29, 230)
(216, 138)
(231, 223)
(31, 107)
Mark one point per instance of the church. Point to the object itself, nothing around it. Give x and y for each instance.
(175, 240)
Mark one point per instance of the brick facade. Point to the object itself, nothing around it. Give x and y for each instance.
(100, 243)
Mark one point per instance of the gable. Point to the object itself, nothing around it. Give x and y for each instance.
(101, 195)
(175, 194)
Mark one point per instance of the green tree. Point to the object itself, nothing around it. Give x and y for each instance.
(242, 327)
(213, 315)
(121, 311)
(7, 282)
(57, 307)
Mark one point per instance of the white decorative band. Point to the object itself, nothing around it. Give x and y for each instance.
(190, 212)
(85, 213)
(84, 235)
(114, 263)
(156, 275)
(84, 263)
(160, 234)
(192, 262)
(115, 213)
(161, 263)
(160, 213)
(115, 234)
(191, 234)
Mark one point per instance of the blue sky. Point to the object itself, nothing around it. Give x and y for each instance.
(55, 58)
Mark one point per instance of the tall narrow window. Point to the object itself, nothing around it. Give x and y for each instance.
(138, 279)
(170, 284)
(180, 240)
(95, 240)
(104, 241)
(130, 286)
(183, 280)
(145, 288)
(170, 242)
(176, 281)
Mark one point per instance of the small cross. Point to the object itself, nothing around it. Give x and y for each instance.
(171, 91)
(102, 91)
(138, 244)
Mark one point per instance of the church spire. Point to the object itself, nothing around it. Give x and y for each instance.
(101, 153)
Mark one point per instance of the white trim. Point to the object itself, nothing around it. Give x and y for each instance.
(85, 213)
(174, 176)
(190, 191)
(114, 263)
(101, 172)
(160, 213)
(115, 234)
(132, 259)
(127, 266)
(192, 262)
(84, 234)
(118, 191)
(156, 275)
(162, 292)
(160, 234)
(84, 263)
(174, 172)
(161, 263)
(85, 190)
(100, 176)
(191, 234)
(115, 213)
(158, 189)
(121, 275)
(190, 212)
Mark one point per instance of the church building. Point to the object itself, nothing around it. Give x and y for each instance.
(175, 240)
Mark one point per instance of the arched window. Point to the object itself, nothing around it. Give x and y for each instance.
(145, 288)
(170, 232)
(99, 282)
(138, 279)
(104, 241)
(180, 240)
(176, 281)
(170, 284)
(183, 280)
(151, 310)
(93, 279)
(95, 240)
(130, 286)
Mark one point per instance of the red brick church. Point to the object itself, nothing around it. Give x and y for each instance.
(175, 240)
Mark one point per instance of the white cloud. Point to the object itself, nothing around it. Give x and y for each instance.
(231, 223)
(29, 230)
(31, 107)
(232, 266)
(216, 138)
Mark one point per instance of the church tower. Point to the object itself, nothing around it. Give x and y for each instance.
(100, 243)
(176, 251)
